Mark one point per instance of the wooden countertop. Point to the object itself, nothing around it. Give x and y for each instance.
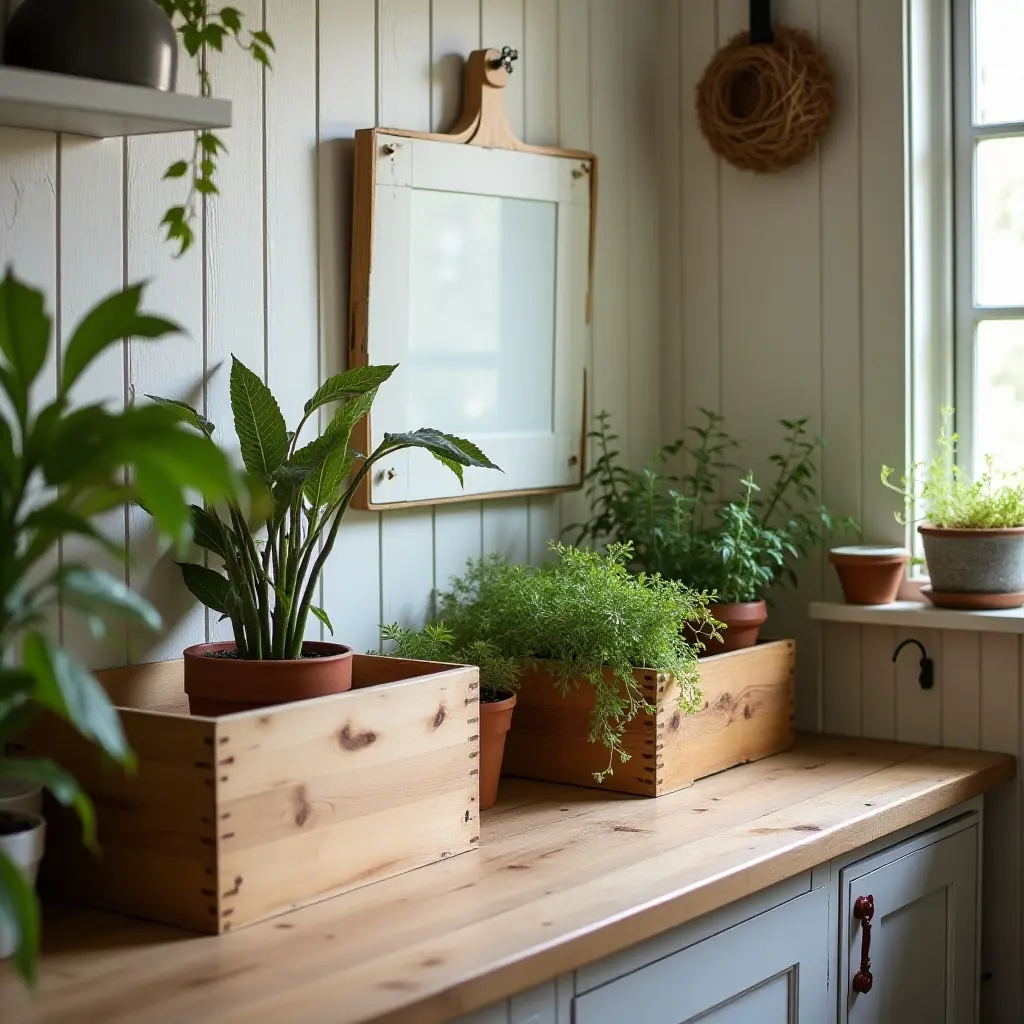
(564, 877)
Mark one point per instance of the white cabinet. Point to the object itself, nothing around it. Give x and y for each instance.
(923, 934)
(772, 969)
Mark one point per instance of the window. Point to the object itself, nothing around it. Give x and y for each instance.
(989, 129)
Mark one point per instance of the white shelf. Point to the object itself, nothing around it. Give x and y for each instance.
(919, 615)
(101, 110)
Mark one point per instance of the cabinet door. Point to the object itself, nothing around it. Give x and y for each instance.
(923, 948)
(772, 969)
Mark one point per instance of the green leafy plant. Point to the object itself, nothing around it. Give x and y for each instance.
(948, 497)
(680, 527)
(268, 583)
(60, 466)
(499, 675)
(203, 26)
(580, 614)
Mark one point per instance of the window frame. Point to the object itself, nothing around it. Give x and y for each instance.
(968, 312)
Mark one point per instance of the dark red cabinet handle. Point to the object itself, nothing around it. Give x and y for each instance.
(864, 911)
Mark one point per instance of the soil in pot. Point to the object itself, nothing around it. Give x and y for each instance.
(495, 719)
(21, 838)
(129, 41)
(218, 682)
(870, 574)
(974, 561)
(743, 622)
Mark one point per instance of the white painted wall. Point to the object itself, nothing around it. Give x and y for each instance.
(269, 279)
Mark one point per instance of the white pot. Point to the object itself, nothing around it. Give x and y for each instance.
(25, 848)
(18, 795)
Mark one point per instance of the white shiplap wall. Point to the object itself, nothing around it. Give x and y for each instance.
(269, 280)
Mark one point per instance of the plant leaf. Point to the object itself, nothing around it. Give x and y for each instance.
(60, 783)
(209, 587)
(95, 591)
(54, 521)
(24, 337)
(322, 616)
(453, 452)
(349, 384)
(191, 415)
(107, 323)
(208, 531)
(259, 424)
(19, 917)
(67, 689)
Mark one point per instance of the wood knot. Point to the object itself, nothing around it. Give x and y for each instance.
(350, 740)
(439, 717)
(238, 885)
(303, 809)
(675, 720)
(746, 711)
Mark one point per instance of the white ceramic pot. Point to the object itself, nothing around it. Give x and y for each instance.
(18, 795)
(22, 837)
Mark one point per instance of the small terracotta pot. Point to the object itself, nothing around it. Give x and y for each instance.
(222, 686)
(743, 622)
(870, 575)
(495, 719)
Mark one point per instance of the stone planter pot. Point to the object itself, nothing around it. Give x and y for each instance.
(22, 837)
(129, 41)
(974, 561)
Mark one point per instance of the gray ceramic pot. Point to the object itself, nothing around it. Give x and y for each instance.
(974, 561)
(129, 41)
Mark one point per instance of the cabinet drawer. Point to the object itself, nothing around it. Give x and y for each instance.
(772, 968)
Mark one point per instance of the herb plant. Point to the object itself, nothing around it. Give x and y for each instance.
(268, 582)
(200, 25)
(61, 465)
(582, 614)
(949, 498)
(680, 527)
(499, 675)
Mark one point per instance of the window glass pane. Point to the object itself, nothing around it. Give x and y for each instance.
(999, 209)
(999, 394)
(998, 67)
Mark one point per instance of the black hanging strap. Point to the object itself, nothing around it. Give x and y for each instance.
(761, 21)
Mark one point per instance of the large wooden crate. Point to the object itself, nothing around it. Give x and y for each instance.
(234, 819)
(748, 713)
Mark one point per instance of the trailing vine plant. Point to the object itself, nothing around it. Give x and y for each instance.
(203, 26)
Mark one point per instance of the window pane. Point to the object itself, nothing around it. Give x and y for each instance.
(999, 209)
(999, 393)
(998, 68)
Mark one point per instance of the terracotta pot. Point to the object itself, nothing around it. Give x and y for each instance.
(495, 719)
(743, 622)
(870, 575)
(222, 686)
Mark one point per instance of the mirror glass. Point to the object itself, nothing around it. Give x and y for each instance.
(481, 313)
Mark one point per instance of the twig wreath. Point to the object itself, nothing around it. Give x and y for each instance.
(767, 96)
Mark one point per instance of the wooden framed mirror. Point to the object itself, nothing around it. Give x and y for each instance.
(471, 269)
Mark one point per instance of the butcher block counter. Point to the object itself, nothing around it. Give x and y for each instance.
(563, 878)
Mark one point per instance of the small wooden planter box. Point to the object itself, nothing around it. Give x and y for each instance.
(234, 819)
(748, 714)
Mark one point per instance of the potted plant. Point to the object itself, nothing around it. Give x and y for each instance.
(272, 554)
(973, 529)
(735, 547)
(60, 465)
(499, 680)
(582, 619)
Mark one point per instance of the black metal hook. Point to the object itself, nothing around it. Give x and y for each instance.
(761, 21)
(508, 56)
(927, 675)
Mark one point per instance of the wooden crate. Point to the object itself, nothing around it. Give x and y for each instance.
(234, 819)
(748, 714)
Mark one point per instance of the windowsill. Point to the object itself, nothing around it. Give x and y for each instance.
(920, 615)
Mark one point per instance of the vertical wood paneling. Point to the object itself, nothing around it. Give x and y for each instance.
(841, 665)
(918, 712)
(878, 691)
(91, 240)
(347, 98)
(171, 369)
(234, 296)
(960, 668)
